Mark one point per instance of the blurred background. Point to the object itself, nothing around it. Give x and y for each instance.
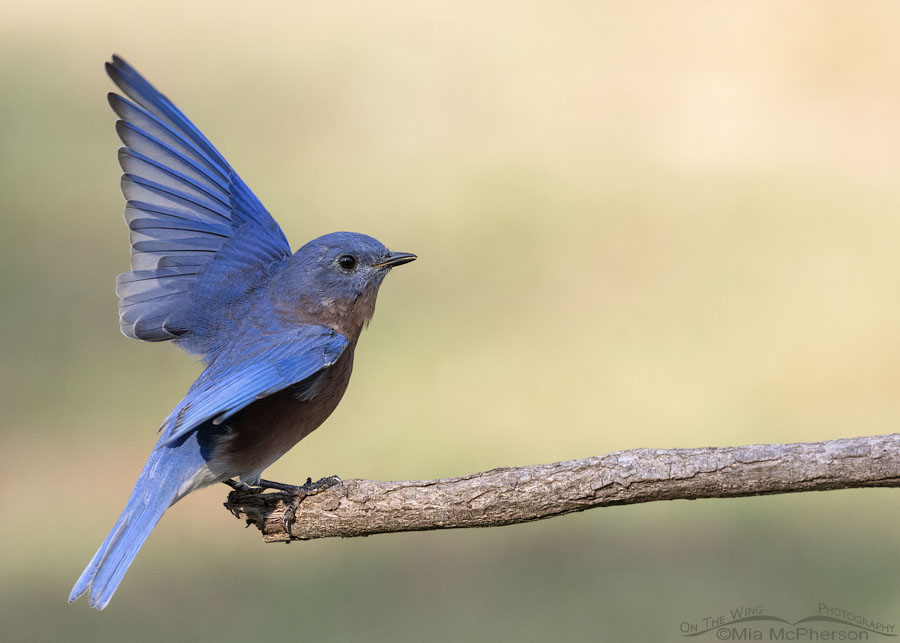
(644, 224)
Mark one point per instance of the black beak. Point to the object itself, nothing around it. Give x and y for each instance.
(396, 259)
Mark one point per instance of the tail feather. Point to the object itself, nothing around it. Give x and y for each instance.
(167, 476)
(105, 571)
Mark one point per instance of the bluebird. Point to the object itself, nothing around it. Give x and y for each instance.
(214, 273)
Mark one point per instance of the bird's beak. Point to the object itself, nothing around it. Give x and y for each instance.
(396, 259)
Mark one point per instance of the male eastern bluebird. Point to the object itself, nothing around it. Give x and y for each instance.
(213, 272)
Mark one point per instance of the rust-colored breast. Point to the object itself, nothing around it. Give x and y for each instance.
(268, 428)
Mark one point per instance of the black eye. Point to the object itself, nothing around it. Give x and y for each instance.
(347, 262)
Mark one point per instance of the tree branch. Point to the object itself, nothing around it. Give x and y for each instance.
(520, 494)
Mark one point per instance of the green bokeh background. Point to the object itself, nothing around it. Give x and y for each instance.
(645, 224)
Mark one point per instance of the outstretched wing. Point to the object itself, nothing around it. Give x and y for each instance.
(195, 226)
(222, 391)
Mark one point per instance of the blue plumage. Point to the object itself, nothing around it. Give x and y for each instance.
(157, 488)
(230, 384)
(183, 203)
(212, 271)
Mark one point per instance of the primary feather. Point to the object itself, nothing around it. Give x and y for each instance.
(184, 202)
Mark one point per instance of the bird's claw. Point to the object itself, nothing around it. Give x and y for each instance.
(298, 493)
(301, 493)
(232, 504)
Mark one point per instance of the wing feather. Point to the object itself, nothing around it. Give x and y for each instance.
(220, 392)
(184, 203)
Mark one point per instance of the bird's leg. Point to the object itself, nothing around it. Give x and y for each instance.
(299, 494)
(237, 485)
(281, 486)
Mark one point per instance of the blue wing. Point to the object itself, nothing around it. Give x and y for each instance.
(222, 391)
(195, 226)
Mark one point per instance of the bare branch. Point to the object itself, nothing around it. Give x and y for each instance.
(521, 494)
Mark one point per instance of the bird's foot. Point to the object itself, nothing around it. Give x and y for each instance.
(299, 494)
(233, 504)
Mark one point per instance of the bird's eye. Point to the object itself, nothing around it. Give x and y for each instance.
(347, 262)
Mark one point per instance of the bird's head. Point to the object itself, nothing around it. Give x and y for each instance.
(336, 277)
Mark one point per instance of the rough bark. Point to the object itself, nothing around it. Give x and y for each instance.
(520, 494)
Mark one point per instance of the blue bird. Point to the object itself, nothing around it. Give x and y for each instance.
(213, 272)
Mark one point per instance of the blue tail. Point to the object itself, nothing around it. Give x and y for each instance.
(165, 479)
